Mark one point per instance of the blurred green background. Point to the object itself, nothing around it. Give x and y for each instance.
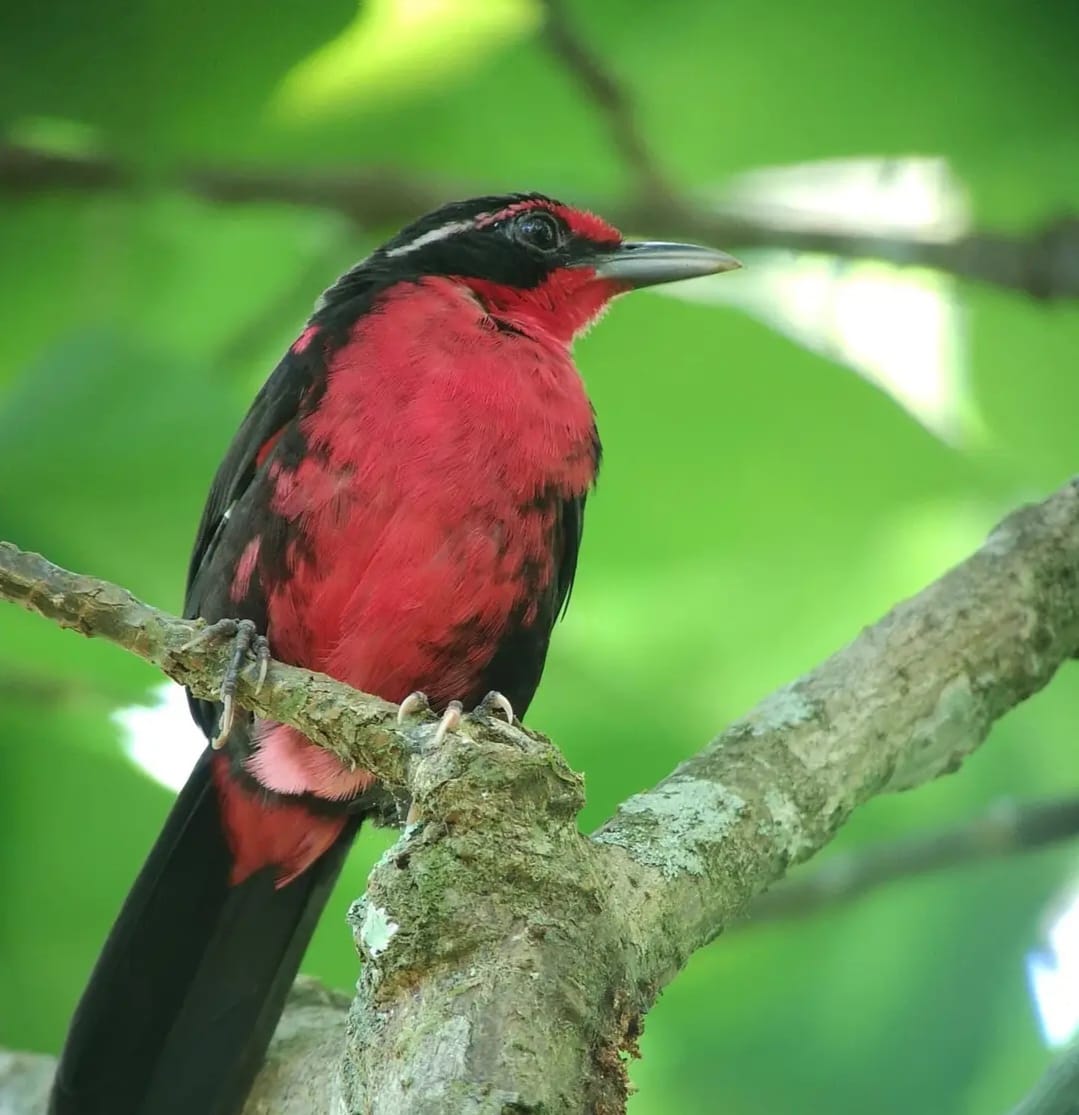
(789, 450)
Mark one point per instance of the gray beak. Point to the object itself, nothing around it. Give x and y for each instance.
(655, 261)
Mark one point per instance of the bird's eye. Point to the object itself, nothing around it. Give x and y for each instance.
(539, 230)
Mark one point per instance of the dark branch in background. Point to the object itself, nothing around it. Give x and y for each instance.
(1007, 829)
(1043, 264)
(370, 198)
(611, 99)
(57, 691)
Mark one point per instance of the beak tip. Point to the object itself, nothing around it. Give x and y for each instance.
(728, 263)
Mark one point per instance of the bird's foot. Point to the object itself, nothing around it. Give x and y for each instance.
(417, 703)
(245, 641)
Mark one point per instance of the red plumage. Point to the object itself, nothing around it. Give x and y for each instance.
(432, 457)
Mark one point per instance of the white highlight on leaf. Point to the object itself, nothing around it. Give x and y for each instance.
(1053, 975)
(899, 328)
(377, 930)
(162, 739)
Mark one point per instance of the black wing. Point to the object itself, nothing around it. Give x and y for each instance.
(238, 506)
(517, 664)
(569, 533)
(276, 405)
(293, 390)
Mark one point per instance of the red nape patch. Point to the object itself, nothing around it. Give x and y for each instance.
(269, 834)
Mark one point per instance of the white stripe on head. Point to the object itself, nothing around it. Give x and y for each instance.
(432, 236)
(442, 233)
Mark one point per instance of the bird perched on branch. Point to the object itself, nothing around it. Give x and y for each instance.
(402, 509)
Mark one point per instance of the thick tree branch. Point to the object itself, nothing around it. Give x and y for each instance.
(904, 703)
(1009, 828)
(492, 910)
(24, 1082)
(1043, 263)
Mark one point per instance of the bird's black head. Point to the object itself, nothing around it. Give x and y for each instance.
(533, 260)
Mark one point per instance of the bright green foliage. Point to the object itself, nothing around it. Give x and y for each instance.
(759, 502)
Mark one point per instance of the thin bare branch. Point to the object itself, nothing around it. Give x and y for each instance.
(1008, 829)
(613, 101)
(357, 728)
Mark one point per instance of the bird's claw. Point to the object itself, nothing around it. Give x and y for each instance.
(417, 702)
(414, 703)
(451, 718)
(245, 641)
(493, 703)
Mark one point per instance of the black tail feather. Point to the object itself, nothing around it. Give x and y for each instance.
(189, 986)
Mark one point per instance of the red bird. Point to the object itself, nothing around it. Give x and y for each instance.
(402, 509)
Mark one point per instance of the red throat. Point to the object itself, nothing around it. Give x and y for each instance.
(563, 306)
